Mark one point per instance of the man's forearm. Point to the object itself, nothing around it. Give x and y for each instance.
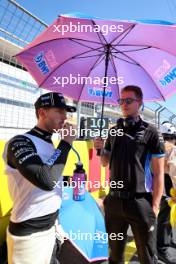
(22, 155)
(158, 187)
(158, 182)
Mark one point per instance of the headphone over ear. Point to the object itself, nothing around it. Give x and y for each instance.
(142, 107)
(127, 122)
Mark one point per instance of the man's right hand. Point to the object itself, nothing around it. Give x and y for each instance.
(98, 143)
(69, 136)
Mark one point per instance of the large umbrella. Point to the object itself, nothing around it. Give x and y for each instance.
(83, 224)
(103, 56)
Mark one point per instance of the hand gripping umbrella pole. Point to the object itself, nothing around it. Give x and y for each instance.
(107, 54)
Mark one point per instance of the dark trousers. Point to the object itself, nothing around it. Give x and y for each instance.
(167, 184)
(56, 253)
(138, 213)
(164, 228)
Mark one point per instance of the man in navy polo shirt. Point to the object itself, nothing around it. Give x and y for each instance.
(130, 157)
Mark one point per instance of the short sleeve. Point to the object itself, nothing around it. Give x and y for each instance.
(156, 144)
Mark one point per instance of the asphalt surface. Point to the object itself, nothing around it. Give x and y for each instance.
(172, 251)
(69, 254)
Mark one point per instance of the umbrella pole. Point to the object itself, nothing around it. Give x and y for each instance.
(104, 89)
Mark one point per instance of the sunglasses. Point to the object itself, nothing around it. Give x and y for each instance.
(127, 101)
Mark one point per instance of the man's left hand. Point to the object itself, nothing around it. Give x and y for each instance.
(155, 210)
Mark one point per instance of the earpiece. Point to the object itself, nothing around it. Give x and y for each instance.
(142, 107)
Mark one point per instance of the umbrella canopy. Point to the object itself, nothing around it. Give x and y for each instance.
(83, 224)
(77, 55)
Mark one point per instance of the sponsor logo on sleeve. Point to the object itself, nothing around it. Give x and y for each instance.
(54, 157)
(26, 157)
(22, 151)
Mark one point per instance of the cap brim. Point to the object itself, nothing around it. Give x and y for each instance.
(70, 108)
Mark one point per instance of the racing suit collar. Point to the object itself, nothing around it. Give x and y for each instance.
(38, 132)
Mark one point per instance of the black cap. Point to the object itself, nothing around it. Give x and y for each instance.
(53, 100)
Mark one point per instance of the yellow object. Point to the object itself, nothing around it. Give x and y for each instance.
(172, 204)
(173, 192)
(173, 215)
(103, 191)
(5, 200)
(130, 251)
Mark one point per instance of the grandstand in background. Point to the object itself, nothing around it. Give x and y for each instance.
(18, 90)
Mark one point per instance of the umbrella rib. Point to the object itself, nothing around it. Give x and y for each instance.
(100, 35)
(130, 62)
(113, 65)
(85, 52)
(84, 44)
(124, 32)
(88, 56)
(115, 70)
(94, 65)
(50, 40)
(97, 63)
(133, 45)
(84, 40)
(133, 26)
(127, 56)
(138, 64)
(57, 67)
(153, 47)
(132, 50)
